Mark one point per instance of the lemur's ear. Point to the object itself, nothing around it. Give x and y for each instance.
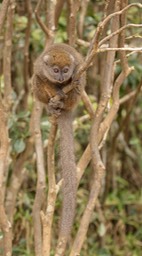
(72, 58)
(46, 58)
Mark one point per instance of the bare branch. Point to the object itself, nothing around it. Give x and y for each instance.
(16, 180)
(82, 43)
(127, 97)
(118, 31)
(115, 106)
(95, 41)
(3, 11)
(4, 142)
(83, 9)
(117, 13)
(58, 9)
(87, 104)
(26, 50)
(138, 49)
(49, 33)
(83, 162)
(133, 37)
(123, 124)
(128, 55)
(50, 19)
(7, 57)
(121, 42)
(40, 191)
(5, 227)
(47, 218)
(98, 166)
(73, 8)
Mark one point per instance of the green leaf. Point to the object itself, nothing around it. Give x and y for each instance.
(19, 146)
(102, 230)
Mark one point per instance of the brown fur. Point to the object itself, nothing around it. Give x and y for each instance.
(44, 90)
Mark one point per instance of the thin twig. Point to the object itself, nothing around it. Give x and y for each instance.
(137, 49)
(128, 55)
(104, 40)
(127, 97)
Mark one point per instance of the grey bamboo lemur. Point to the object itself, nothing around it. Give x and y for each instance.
(53, 70)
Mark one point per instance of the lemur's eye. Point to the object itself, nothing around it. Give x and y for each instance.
(56, 70)
(65, 70)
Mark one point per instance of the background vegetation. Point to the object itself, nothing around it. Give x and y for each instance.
(116, 224)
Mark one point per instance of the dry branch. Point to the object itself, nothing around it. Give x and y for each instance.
(120, 49)
(127, 97)
(86, 157)
(50, 20)
(16, 180)
(95, 41)
(123, 125)
(5, 225)
(104, 40)
(50, 17)
(83, 10)
(7, 57)
(87, 104)
(115, 106)
(6, 228)
(4, 142)
(83, 162)
(73, 6)
(3, 12)
(98, 165)
(58, 9)
(46, 30)
(47, 218)
(26, 50)
(121, 42)
(40, 190)
(128, 55)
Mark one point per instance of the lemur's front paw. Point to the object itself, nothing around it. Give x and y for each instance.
(55, 106)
